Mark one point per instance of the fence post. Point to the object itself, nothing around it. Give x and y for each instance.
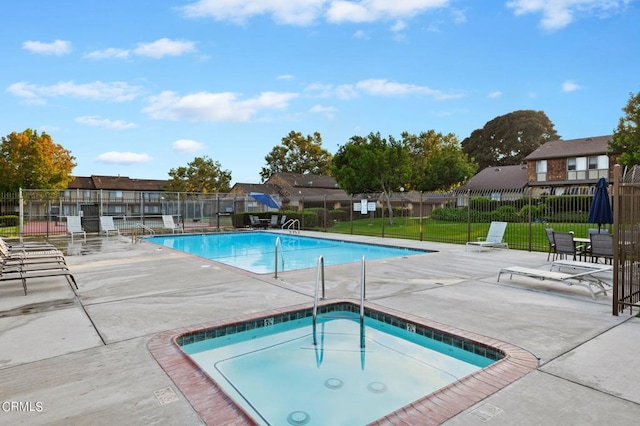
(21, 213)
(421, 228)
(468, 215)
(530, 220)
(382, 214)
(351, 212)
(325, 213)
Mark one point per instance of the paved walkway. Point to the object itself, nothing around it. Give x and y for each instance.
(81, 357)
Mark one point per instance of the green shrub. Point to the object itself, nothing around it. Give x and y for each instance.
(9, 220)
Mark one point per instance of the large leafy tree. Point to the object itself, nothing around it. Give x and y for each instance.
(508, 139)
(201, 175)
(297, 154)
(372, 164)
(437, 161)
(626, 137)
(33, 161)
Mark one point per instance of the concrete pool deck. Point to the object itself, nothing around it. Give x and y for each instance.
(81, 357)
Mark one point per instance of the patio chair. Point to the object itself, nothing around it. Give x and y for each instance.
(493, 239)
(107, 225)
(283, 220)
(254, 221)
(552, 244)
(274, 221)
(168, 223)
(74, 226)
(565, 246)
(601, 247)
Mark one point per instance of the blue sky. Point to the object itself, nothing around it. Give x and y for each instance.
(138, 87)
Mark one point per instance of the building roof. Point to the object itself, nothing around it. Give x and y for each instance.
(498, 178)
(571, 148)
(116, 183)
(298, 180)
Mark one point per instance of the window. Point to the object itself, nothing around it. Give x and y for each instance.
(115, 194)
(592, 167)
(541, 170)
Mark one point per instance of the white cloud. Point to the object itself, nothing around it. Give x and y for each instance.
(109, 53)
(557, 14)
(58, 47)
(306, 12)
(379, 10)
(187, 146)
(98, 91)
(164, 47)
(361, 35)
(382, 87)
(375, 87)
(115, 157)
(295, 12)
(570, 86)
(96, 121)
(327, 111)
(494, 94)
(205, 106)
(398, 26)
(285, 77)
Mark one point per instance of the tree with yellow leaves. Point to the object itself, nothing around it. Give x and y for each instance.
(30, 160)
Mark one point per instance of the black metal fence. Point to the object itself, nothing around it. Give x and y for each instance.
(626, 273)
(453, 217)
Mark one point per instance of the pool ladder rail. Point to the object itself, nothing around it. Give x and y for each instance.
(320, 281)
(144, 228)
(292, 225)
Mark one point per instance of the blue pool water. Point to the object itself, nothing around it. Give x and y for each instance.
(276, 373)
(255, 251)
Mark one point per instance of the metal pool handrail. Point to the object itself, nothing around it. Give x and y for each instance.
(362, 292)
(291, 226)
(278, 244)
(319, 279)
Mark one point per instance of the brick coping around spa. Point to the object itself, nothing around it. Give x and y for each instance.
(216, 408)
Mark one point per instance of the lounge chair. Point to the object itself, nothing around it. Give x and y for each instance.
(74, 226)
(24, 275)
(585, 278)
(26, 253)
(168, 223)
(273, 223)
(493, 239)
(107, 225)
(283, 220)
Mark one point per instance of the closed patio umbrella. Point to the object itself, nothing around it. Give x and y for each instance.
(600, 211)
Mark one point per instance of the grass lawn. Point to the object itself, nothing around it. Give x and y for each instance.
(517, 235)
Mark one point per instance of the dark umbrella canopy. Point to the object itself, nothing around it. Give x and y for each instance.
(600, 211)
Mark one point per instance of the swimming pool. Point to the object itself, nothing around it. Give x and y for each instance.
(255, 251)
(241, 364)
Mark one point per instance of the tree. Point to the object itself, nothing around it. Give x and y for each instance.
(372, 164)
(297, 154)
(201, 175)
(32, 161)
(437, 161)
(626, 137)
(508, 139)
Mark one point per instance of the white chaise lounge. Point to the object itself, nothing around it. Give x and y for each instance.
(493, 239)
(585, 278)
